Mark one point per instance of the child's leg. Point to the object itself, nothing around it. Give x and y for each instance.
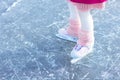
(74, 14)
(86, 21)
(71, 32)
(74, 20)
(86, 35)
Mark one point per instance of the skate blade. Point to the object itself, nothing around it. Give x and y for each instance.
(75, 60)
(66, 37)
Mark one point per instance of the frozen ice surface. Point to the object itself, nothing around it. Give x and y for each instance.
(29, 49)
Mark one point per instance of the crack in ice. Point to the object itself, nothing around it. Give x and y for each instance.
(12, 6)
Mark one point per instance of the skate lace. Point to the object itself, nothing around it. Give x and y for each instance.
(78, 47)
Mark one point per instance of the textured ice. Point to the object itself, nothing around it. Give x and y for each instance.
(29, 49)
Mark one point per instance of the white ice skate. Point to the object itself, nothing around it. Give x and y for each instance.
(79, 52)
(62, 33)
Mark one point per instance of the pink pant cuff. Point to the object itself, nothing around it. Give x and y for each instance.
(86, 38)
(74, 27)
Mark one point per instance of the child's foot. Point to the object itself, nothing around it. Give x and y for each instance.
(63, 34)
(79, 52)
